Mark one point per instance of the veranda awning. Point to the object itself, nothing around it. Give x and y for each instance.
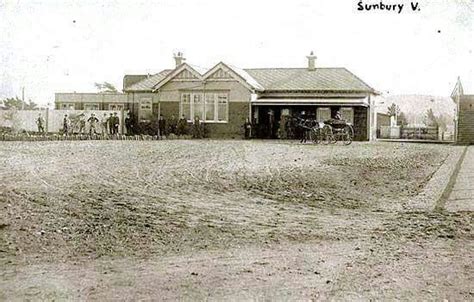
(313, 101)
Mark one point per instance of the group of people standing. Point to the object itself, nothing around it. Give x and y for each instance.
(178, 127)
(107, 125)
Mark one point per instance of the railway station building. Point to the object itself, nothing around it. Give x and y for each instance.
(225, 96)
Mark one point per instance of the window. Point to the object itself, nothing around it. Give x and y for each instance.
(67, 106)
(186, 105)
(347, 114)
(209, 107)
(198, 106)
(116, 107)
(145, 112)
(222, 107)
(323, 114)
(91, 106)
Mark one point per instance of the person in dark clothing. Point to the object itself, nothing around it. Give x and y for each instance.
(92, 120)
(116, 123)
(161, 126)
(271, 124)
(40, 123)
(247, 129)
(302, 124)
(82, 123)
(127, 122)
(110, 122)
(66, 123)
(173, 122)
(182, 126)
(197, 128)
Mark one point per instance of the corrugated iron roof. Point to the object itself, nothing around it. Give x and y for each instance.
(280, 79)
(247, 77)
(148, 83)
(301, 79)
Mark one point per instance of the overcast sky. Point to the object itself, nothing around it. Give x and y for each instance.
(63, 46)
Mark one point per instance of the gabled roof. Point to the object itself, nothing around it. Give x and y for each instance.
(458, 89)
(267, 79)
(302, 79)
(146, 85)
(240, 75)
(176, 71)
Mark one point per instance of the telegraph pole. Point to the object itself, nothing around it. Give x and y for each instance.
(23, 98)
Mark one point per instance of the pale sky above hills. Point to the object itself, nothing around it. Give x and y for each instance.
(64, 46)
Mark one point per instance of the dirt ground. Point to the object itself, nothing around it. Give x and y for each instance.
(238, 220)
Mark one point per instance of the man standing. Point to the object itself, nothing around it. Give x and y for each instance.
(128, 124)
(40, 123)
(92, 123)
(172, 125)
(161, 126)
(82, 123)
(247, 128)
(66, 123)
(197, 127)
(110, 121)
(182, 126)
(103, 124)
(116, 123)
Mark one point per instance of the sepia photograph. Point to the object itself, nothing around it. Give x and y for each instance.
(179, 150)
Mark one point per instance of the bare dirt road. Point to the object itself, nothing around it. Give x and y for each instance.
(222, 220)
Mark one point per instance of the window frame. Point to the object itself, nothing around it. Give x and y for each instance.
(351, 109)
(96, 105)
(318, 113)
(68, 106)
(204, 98)
(143, 113)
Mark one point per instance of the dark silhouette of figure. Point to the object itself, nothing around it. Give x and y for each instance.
(247, 129)
(197, 128)
(161, 126)
(182, 126)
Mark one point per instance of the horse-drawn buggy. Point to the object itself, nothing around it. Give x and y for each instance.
(328, 132)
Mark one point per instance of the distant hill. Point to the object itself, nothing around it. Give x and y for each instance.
(415, 106)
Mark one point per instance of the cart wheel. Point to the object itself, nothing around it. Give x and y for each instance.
(316, 135)
(347, 135)
(327, 136)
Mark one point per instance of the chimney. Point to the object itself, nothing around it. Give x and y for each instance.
(178, 58)
(311, 61)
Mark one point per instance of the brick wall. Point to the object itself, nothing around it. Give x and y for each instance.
(238, 112)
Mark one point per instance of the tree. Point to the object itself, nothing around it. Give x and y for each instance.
(17, 103)
(439, 121)
(431, 120)
(393, 110)
(105, 87)
(402, 120)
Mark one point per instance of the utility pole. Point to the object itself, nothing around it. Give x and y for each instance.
(23, 98)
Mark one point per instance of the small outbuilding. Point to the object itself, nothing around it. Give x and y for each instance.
(464, 115)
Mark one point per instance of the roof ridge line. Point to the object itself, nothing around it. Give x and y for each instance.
(294, 68)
